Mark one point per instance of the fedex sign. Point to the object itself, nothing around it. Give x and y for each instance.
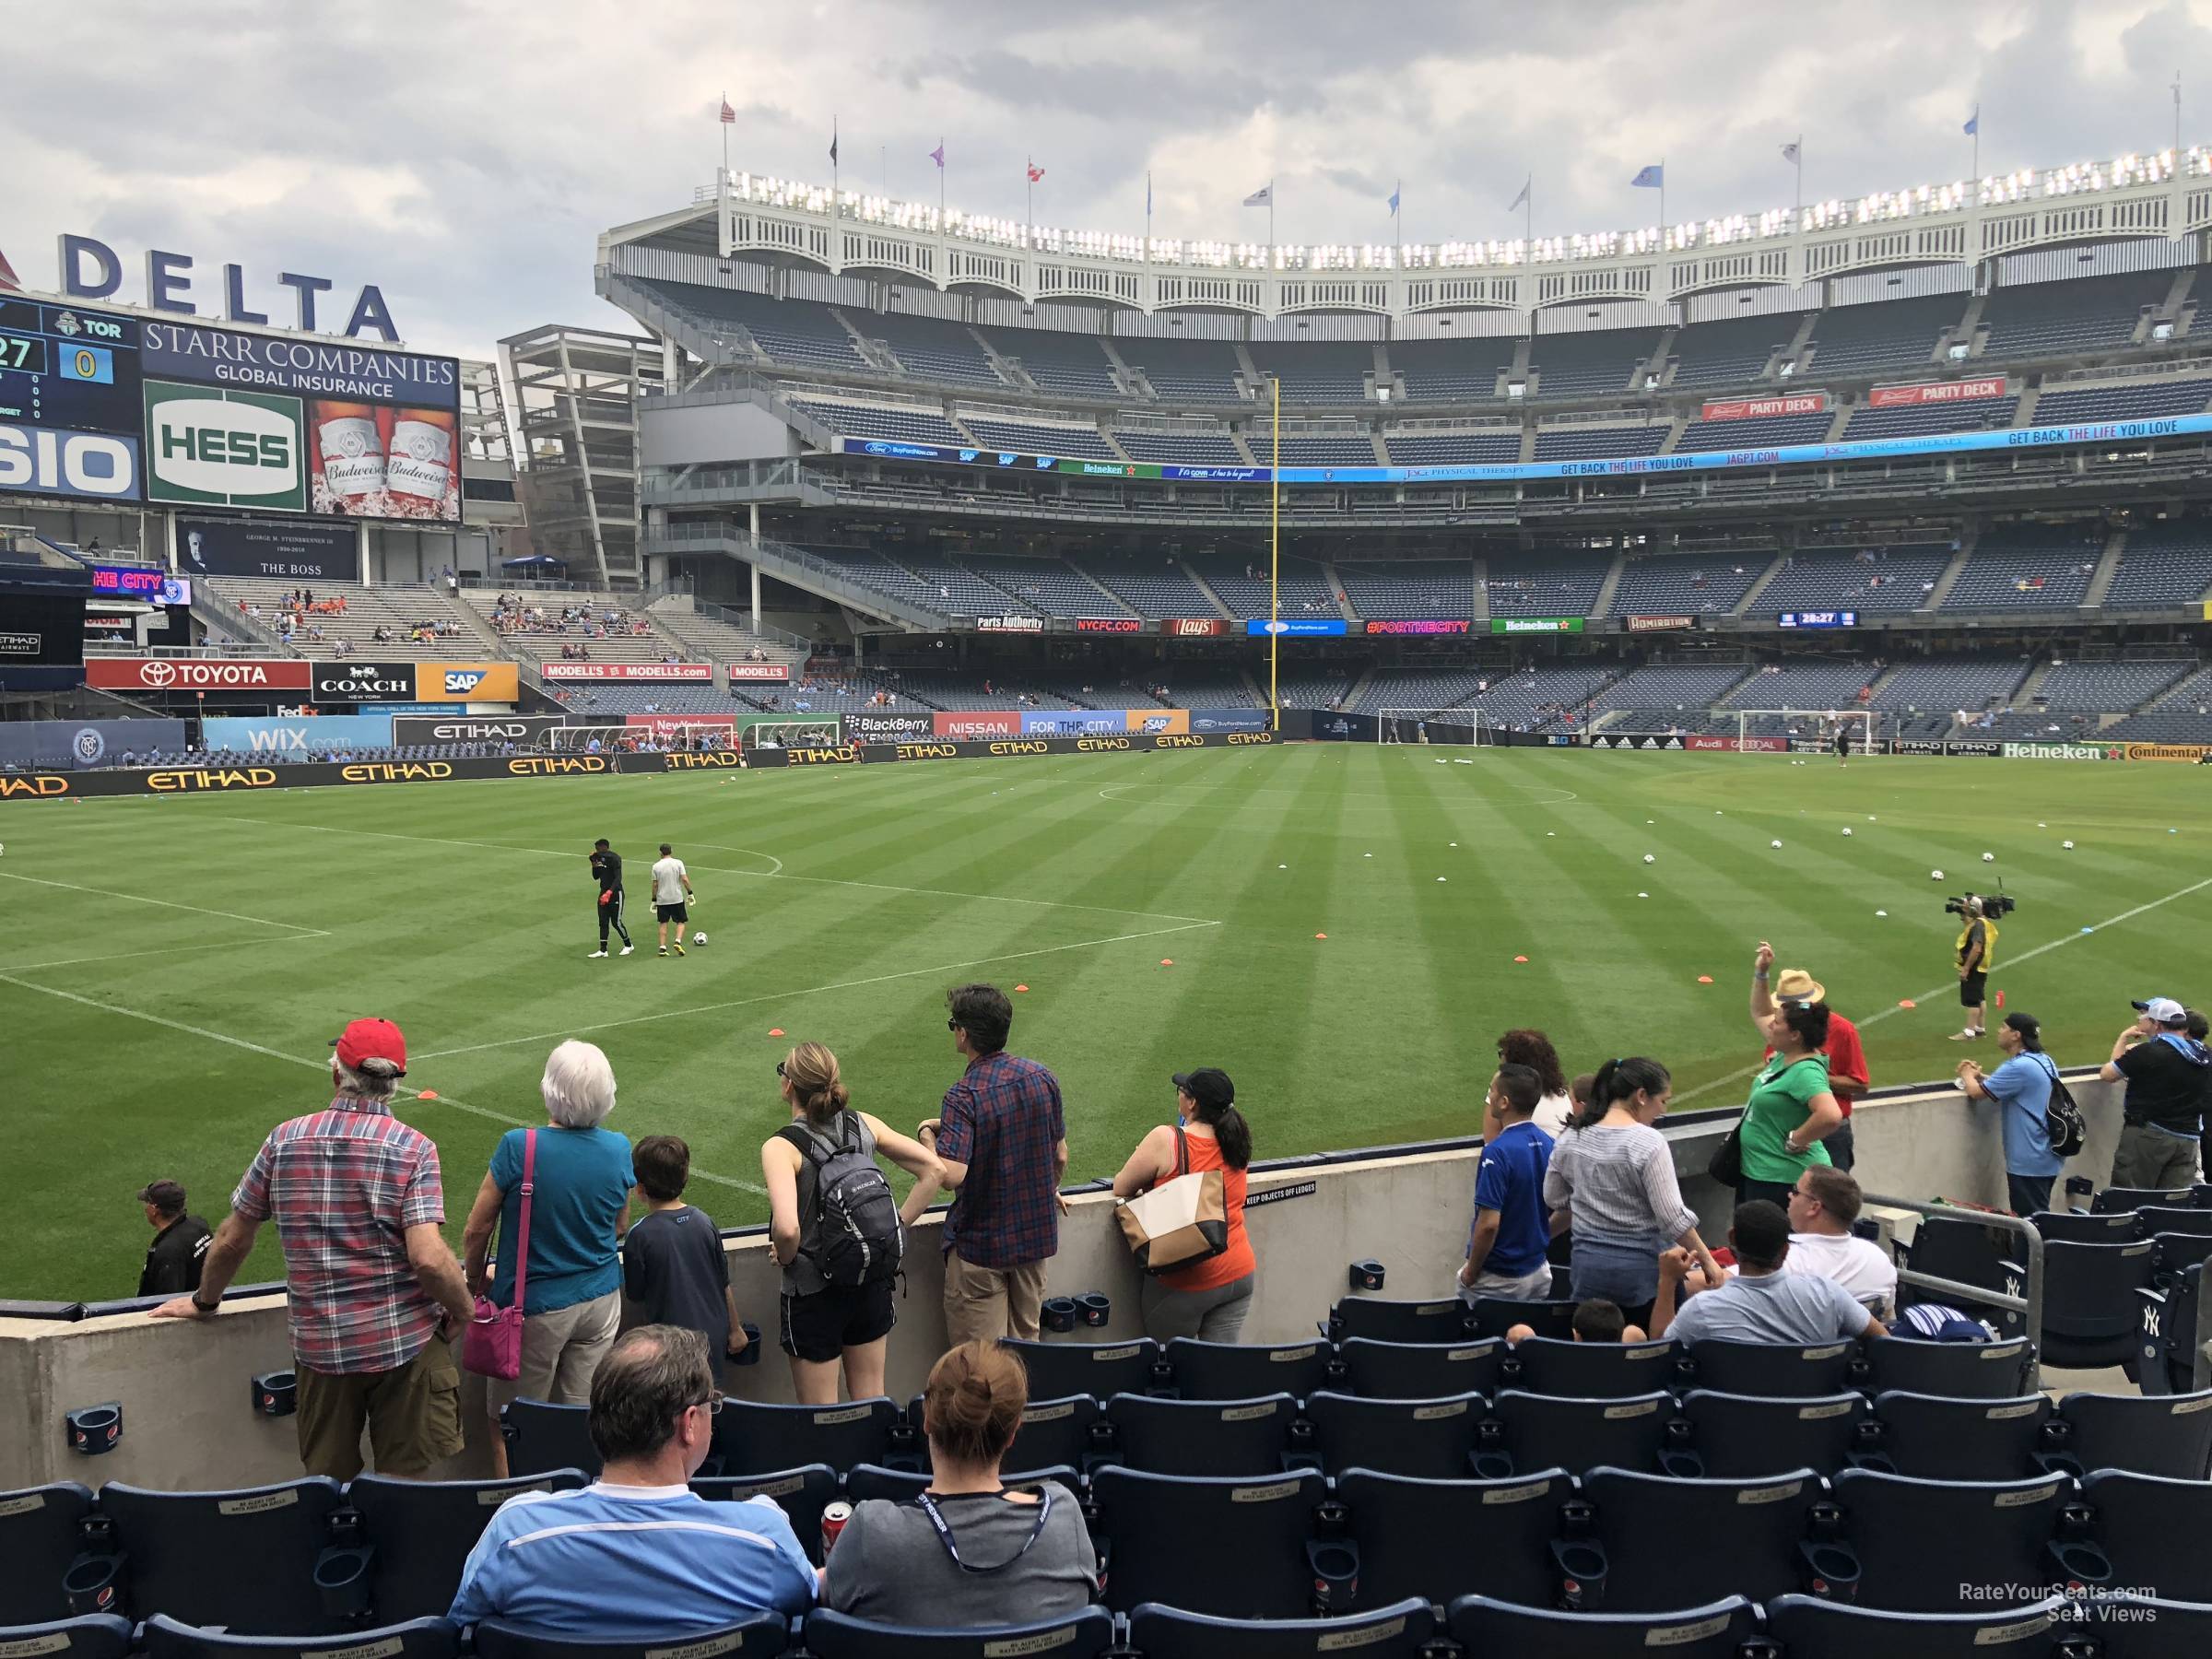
(92, 270)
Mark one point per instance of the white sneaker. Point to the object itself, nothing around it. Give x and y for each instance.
(595, 955)
(625, 950)
(1968, 1035)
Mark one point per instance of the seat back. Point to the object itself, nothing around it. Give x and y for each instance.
(542, 1438)
(1438, 1539)
(1537, 1432)
(2159, 1218)
(750, 1435)
(903, 1486)
(1442, 1320)
(38, 1541)
(1495, 1316)
(2137, 1627)
(185, 1549)
(1814, 1627)
(423, 1531)
(2111, 1199)
(2153, 1530)
(2149, 1434)
(1397, 1631)
(761, 1637)
(1166, 1538)
(1053, 1432)
(1718, 1632)
(1754, 1527)
(1937, 1439)
(802, 1494)
(1739, 1437)
(1421, 1371)
(166, 1638)
(2090, 1310)
(1982, 1531)
(1958, 1371)
(1098, 1369)
(1245, 1438)
(2111, 1227)
(1773, 1370)
(1592, 1370)
(1961, 1248)
(1081, 1635)
(2177, 1252)
(1236, 1370)
(1427, 1438)
(93, 1636)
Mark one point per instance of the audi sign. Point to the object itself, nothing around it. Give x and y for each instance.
(197, 674)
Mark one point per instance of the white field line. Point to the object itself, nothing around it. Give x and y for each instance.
(2025, 955)
(197, 910)
(132, 956)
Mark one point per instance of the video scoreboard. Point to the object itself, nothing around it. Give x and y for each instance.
(71, 407)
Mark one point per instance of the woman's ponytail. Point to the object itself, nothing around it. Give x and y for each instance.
(1233, 1134)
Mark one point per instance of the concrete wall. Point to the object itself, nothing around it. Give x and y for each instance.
(185, 1388)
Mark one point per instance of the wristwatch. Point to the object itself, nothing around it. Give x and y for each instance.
(206, 1307)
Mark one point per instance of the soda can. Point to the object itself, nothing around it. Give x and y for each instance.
(834, 1516)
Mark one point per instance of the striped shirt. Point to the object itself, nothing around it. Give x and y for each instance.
(345, 1185)
(617, 1563)
(1620, 1180)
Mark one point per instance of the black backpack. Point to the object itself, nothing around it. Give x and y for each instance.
(860, 1237)
(2063, 1121)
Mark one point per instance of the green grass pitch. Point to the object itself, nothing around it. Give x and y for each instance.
(171, 970)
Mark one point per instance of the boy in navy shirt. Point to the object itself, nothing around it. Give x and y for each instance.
(1506, 1251)
(673, 1264)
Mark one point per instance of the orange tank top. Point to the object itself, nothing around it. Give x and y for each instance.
(1235, 1262)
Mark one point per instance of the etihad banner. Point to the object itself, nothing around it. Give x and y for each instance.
(526, 730)
(199, 674)
(250, 776)
(1758, 408)
(467, 683)
(631, 671)
(1660, 624)
(857, 754)
(976, 722)
(1937, 392)
(1155, 720)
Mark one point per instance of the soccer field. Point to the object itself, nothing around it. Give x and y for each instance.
(172, 968)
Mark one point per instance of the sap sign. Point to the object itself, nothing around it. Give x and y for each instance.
(1295, 627)
(92, 270)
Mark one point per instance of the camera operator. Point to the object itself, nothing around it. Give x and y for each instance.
(2169, 1074)
(1977, 944)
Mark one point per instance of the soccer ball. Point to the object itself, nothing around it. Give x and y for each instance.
(1847, 829)
(698, 938)
(1649, 859)
(1989, 858)
(2068, 845)
(1934, 875)
(1777, 845)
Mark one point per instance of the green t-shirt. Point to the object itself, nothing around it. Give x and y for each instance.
(1780, 1101)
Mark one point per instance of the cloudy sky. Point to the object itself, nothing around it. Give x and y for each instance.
(464, 154)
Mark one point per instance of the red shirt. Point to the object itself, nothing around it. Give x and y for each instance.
(1846, 1058)
(1236, 1261)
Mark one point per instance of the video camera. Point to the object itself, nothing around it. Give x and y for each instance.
(1993, 904)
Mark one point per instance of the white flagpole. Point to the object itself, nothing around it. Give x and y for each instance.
(726, 130)
(1798, 150)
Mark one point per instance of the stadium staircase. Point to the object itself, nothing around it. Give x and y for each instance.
(1759, 584)
(1663, 355)
(1244, 448)
(1013, 373)
(809, 573)
(1131, 379)
(1953, 571)
(1842, 419)
(2025, 414)
(1121, 607)
(2178, 309)
(1602, 604)
(2108, 567)
(1482, 589)
(2032, 689)
(1375, 438)
(878, 354)
(1793, 353)
(1969, 331)
(1205, 587)
(1674, 432)
(1343, 594)
(1386, 379)
(1358, 690)
(1250, 381)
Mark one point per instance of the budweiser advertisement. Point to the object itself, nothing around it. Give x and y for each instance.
(1195, 628)
(197, 674)
(1937, 392)
(754, 673)
(1760, 408)
(630, 671)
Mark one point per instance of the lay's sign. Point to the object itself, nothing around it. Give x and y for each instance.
(467, 683)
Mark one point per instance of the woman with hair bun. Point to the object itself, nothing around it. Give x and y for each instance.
(969, 1551)
(1207, 1299)
(823, 1324)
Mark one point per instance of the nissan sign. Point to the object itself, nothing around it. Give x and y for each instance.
(197, 674)
(343, 680)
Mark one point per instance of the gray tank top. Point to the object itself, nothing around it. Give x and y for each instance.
(803, 1278)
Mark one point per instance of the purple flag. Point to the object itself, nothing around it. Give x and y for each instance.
(937, 155)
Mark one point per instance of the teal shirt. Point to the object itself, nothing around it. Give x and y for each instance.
(581, 1188)
(1780, 1101)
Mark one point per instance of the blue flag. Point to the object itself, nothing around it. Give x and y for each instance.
(1394, 200)
(1974, 122)
(1651, 177)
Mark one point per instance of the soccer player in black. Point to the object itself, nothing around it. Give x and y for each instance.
(606, 864)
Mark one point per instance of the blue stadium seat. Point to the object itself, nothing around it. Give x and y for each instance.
(1438, 1539)
(2111, 1199)
(1084, 1635)
(423, 1531)
(1668, 1543)
(761, 1637)
(1243, 1438)
(1053, 1432)
(542, 1438)
(750, 1435)
(2083, 1226)
(1400, 1630)
(1771, 1370)
(2137, 1627)
(2154, 1531)
(1934, 1439)
(93, 1636)
(1439, 1320)
(1098, 1369)
(1983, 1533)
(1813, 1627)
(1429, 1440)
(903, 1486)
(1495, 1316)
(1536, 1431)
(2166, 1342)
(2090, 1310)
(1718, 1632)
(1236, 1370)
(1738, 1437)
(2153, 1218)
(1592, 1370)
(802, 1494)
(185, 1549)
(437, 1638)
(1164, 1538)
(2153, 1434)
(1421, 1371)
(1959, 1370)
(41, 1534)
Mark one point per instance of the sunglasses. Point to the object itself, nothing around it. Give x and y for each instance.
(781, 1072)
(712, 1405)
(952, 1025)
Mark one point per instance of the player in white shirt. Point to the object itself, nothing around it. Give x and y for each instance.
(670, 895)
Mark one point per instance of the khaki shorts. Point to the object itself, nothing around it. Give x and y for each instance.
(986, 1303)
(413, 1416)
(561, 1352)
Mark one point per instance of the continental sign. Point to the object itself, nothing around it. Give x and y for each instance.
(2188, 753)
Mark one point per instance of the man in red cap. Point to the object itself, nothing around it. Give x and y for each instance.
(375, 1292)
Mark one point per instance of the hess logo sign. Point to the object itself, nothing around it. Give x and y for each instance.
(231, 448)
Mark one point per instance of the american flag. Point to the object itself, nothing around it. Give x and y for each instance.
(729, 116)
(1036, 172)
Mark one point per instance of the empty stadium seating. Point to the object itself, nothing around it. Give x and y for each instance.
(1888, 336)
(789, 331)
(2141, 398)
(2162, 566)
(1732, 351)
(1036, 438)
(901, 423)
(1915, 421)
(1897, 579)
(1317, 372)
(2051, 319)
(1453, 370)
(1427, 588)
(1582, 441)
(1187, 371)
(1181, 448)
(1589, 364)
(1072, 365)
(1558, 587)
(1687, 584)
(1450, 449)
(1759, 432)
(2026, 568)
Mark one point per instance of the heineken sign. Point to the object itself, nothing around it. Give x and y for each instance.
(1535, 625)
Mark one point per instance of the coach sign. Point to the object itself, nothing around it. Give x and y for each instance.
(346, 680)
(196, 674)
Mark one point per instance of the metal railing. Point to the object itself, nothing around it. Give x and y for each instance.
(2028, 1304)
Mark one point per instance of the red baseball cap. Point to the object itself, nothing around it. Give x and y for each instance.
(371, 1039)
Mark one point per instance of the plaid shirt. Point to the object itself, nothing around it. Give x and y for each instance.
(1002, 1119)
(345, 1185)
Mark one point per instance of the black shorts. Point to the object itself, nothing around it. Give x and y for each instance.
(672, 913)
(820, 1327)
(1973, 990)
(1842, 745)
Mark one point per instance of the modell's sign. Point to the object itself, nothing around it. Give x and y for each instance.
(1938, 392)
(754, 673)
(1757, 408)
(197, 674)
(630, 671)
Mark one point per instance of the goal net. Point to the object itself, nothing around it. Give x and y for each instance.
(1460, 728)
(815, 731)
(1783, 731)
(665, 734)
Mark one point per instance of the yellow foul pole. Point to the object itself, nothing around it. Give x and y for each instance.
(1275, 559)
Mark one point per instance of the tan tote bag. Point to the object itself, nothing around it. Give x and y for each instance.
(1181, 1222)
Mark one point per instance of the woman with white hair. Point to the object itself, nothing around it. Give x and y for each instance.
(580, 1178)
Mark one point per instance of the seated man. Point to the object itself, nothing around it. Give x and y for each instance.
(1595, 1320)
(636, 1553)
(1823, 1205)
(1763, 1302)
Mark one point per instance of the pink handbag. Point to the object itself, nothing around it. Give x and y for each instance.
(493, 1347)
